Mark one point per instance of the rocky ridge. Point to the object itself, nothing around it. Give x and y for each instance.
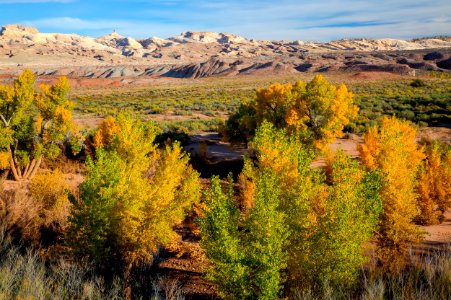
(203, 54)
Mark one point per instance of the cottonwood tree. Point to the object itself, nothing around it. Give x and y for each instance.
(34, 123)
(247, 251)
(133, 195)
(317, 111)
(329, 220)
(391, 149)
(434, 184)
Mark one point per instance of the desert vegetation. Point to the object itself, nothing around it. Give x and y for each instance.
(283, 228)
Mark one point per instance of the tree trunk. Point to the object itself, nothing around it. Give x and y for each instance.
(12, 165)
(29, 171)
(128, 281)
(35, 168)
(30, 168)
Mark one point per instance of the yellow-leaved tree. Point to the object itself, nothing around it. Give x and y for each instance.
(133, 195)
(34, 123)
(317, 111)
(392, 150)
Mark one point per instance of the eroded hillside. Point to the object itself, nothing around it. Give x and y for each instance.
(203, 54)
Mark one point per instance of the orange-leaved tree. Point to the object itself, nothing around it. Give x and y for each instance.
(34, 123)
(434, 184)
(391, 149)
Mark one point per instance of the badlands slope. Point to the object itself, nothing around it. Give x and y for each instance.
(203, 54)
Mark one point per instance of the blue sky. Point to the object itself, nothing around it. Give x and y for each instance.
(323, 20)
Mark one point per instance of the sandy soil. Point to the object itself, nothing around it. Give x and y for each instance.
(440, 233)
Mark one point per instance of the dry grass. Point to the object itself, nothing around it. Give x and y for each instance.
(32, 208)
(26, 276)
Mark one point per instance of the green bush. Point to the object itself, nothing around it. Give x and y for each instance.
(247, 252)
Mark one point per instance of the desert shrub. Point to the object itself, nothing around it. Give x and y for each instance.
(165, 289)
(434, 187)
(427, 277)
(51, 191)
(417, 83)
(391, 149)
(407, 114)
(133, 195)
(173, 133)
(20, 215)
(247, 252)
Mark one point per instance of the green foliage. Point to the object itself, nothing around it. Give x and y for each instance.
(220, 238)
(349, 219)
(172, 134)
(328, 221)
(240, 126)
(92, 220)
(246, 251)
(267, 239)
(429, 102)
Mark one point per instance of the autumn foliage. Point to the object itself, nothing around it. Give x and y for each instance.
(133, 195)
(34, 123)
(391, 149)
(317, 111)
(434, 184)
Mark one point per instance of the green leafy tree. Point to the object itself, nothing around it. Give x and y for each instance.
(266, 239)
(247, 251)
(219, 225)
(347, 220)
(240, 127)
